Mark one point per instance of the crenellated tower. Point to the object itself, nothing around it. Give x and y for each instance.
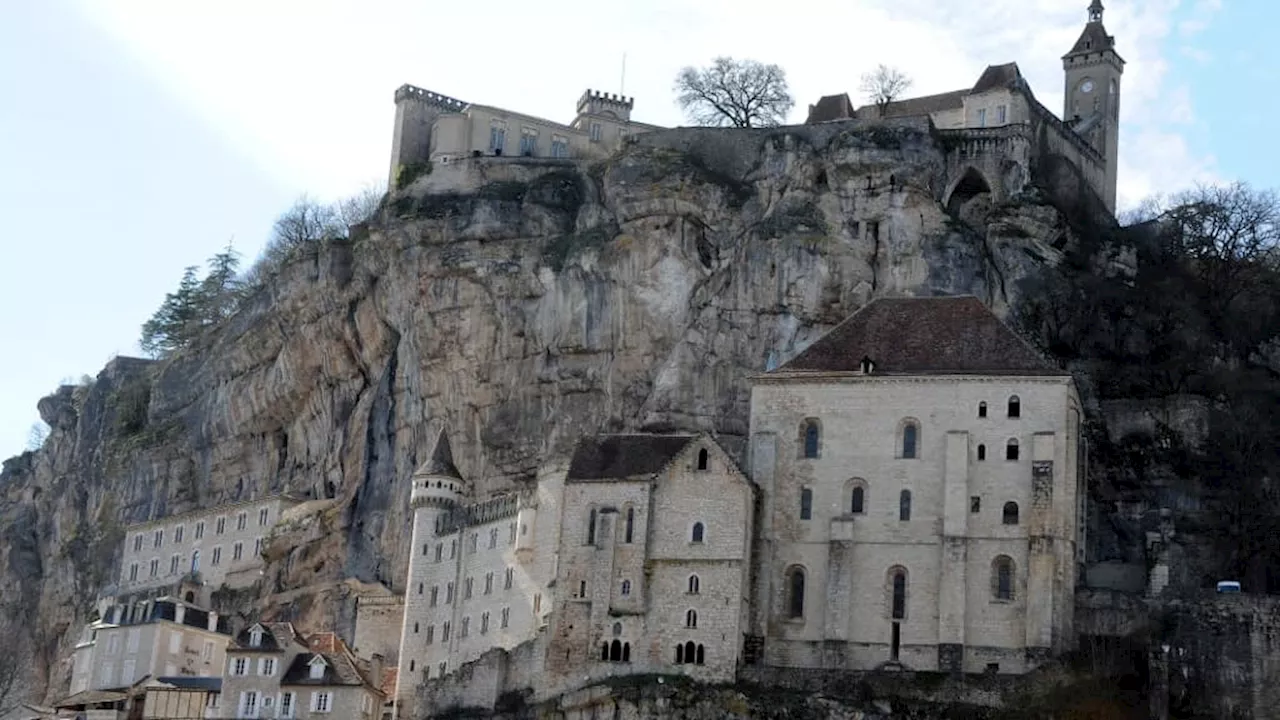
(1092, 71)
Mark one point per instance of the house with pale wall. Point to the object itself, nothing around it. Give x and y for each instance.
(654, 560)
(922, 481)
(273, 672)
(430, 127)
(479, 573)
(155, 637)
(192, 554)
(1001, 106)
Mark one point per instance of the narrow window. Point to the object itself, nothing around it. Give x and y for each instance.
(1015, 406)
(1002, 114)
(909, 436)
(631, 524)
(697, 532)
(982, 117)
(975, 504)
(1010, 514)
(695, 584)
(1011, 450)
(982, 409)
(701, 655)
(689, 652)
(899, 607)
(895, 643)
(591, 527)
(626, 587)
(691, 619)
(702, 459)
(904, 506)
(806, 503)
(856, 505)
(626, 652)
(1002, 578)
(982, 452)
(810, 436)
(680, 654)
(795, 592)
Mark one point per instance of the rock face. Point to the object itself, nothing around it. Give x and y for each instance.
(518, 302)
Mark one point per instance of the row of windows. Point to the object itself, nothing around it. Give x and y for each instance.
(858, 504)
(694, 586)
(220, 526)
(1002, 587)
(473, 544)
(687, 653)
(508, 579)
(177, 566)
(529, 140)
(241, 666)
(254, 704)
(810, 440)
(629, 514)
(464, 629)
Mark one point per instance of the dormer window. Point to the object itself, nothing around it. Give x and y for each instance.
(317, 668)
(255, 636)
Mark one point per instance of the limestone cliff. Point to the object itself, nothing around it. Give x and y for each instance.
(520, 302)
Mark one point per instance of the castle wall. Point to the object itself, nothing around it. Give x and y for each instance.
(861, 425)
(379, 622)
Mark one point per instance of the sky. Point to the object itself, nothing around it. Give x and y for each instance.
(138, 137)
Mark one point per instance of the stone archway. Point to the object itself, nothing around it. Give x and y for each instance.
(971, 184)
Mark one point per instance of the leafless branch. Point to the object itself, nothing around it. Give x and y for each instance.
(734, 93)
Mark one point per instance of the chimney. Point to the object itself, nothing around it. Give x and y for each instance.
(375, 669)
(179, 612)
(213, 621)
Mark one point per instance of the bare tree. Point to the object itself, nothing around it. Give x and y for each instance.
(306, 222)
(37, 435)
(734, 93)
(884, 85)
(362, 206)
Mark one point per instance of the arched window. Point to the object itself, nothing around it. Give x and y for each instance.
(857, 501)
(626, 652)
(679, 653)
(591, 527)
(695, 585)
(910, 439)
(617, 629)
(904, 505)
(698, 530)
(1010, 514)
(1011, 449)
(615, 651)
(626, 587)
(1002, 577)
(806, 503)
(982, 409)
(604, 651)
(690, 652)
(703, 456)
(691, 619)
(982, 452)
(1015, 406)
(631, 524)
(195, 561)
(898, 591)
(701, 657)
(795, 592)
(810, 438)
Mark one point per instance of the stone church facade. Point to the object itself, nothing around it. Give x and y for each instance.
(920, 475)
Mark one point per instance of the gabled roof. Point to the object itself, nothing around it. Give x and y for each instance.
(340, 666)
(926, 105)
(1093, 38)
(614, 457)
(275, 636)
(998, 76)
(390, 676)
(923, 336)
(831, 107)
(441, 460)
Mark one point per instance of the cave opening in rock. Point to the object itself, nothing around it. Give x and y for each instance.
(971, 185)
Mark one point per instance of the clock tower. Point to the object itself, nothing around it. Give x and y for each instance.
(1092, 106)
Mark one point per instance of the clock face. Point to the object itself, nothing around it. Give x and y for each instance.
(1087, 86)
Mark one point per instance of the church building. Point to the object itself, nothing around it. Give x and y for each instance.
(921, 479)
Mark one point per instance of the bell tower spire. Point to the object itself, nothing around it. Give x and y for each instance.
(1092, 70)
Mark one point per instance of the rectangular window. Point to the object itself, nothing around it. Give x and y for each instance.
(200, 530)
(435, 594)
(263, 514)
(975, 504)
(158, 540)
(321, 702)
(174, 562)
(237, 551)
(155, 567)
(242, 520)
(249, 704)
(448, 592)
(453, 549)
(127, 670)
(431, 634)
(131, 640)
(506, 582)
(257, 547)
(175, 642)
(559, 146)
(466, 627)
(207, 653)
(220, 527)
(497, 138)
(596, 132)
(537, 603)
(217, 556)
(267, 667)
(439, 551)
(475, 542)
(806, 504)
(484, 623)
(444, 632)
(488, 584)
(982, 117)
(493, 538)
(528, 142)
(511, 534)
(1002, 114)
(178, 532)
(133, 572)
(240, 666)
(506, 617)
(466, 594)
(286, 705)
(113, 644)
(137, 543)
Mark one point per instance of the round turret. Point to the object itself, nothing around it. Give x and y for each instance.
(437, 482)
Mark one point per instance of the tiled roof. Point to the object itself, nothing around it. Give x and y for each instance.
(323, 642)
(275, 637)
(997, 76)
(389, 678)
(912, 107)
(923, 336)
(441, 460)
(831, 107)
(613, 457)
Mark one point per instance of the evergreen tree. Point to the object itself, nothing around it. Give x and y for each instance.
(178, 319)
(218, 290)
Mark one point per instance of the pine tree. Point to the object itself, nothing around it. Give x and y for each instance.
(218, 290)
(178, 319)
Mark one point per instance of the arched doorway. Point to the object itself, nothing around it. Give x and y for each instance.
(970, 185)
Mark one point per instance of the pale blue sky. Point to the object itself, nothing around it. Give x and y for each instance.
(140, 136)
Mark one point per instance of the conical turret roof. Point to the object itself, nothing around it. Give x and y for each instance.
(441, 461)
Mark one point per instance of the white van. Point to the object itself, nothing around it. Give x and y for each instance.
(1228, 586)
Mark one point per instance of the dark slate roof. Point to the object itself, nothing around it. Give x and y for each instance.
(911, 107)
(923, 336)
(998, 76)
(614, 457)
(1094, 38)
(340, 670)
(831, 107)
(188, 682)
(441, 460)
(274, 637)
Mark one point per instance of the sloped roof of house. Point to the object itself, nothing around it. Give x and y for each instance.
(275, 636)
(925, 105)
(997, 76)
(614, 457)
(92, 697)
(192, 682)
(955, 335)
(341, 666)
(831, 107)
(441, 460)
(390, 676)
(1093, 38)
